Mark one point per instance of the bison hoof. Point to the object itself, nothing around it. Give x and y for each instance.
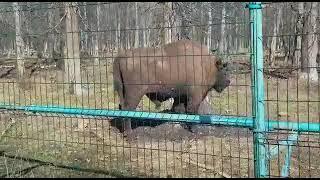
(128, 135)
(188, 127)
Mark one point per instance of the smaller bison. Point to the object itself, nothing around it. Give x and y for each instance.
(183, 70)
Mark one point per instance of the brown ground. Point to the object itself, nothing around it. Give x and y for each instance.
(166, 150)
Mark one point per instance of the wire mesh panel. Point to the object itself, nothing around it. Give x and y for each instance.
(67, 69)
(292, 86)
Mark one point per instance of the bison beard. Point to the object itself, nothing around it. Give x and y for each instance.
(182, 70)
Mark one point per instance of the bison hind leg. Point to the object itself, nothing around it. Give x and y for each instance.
(130, 102)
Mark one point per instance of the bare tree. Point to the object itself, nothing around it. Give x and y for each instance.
(167, 24)
(174, 21)
(309, 45)
(309, 48)
(223, 27)
(276, 28)
(136, 36)
(118, 31)
(209, 27)
(86, 27)
(299, 26)
(96, 43)
(51, 37)
(72, 51)
(19, 42)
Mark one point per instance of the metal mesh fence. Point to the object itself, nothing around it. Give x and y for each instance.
(67, 51)
(291, 96)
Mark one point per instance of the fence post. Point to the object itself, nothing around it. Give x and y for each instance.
(256, 48)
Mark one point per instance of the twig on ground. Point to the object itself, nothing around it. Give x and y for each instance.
(13, 122)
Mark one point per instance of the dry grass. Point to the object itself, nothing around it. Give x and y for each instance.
(91, 143)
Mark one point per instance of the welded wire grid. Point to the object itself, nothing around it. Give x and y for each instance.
(292, 94)
(57, 145)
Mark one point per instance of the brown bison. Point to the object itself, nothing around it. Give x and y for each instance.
(182, 70)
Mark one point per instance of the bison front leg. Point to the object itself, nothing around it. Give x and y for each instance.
(193, 105)
(179, 104)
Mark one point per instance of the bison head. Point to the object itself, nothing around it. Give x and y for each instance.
(222, 76)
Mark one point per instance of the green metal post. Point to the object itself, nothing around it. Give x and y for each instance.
(256, 47)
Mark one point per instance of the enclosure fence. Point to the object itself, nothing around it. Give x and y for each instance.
(56, 108)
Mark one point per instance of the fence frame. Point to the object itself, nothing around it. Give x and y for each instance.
(256, 57)
(257, 122)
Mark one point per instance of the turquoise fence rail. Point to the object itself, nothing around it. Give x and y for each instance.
(245, 122)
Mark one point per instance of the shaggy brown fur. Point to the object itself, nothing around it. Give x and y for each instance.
(182, 70)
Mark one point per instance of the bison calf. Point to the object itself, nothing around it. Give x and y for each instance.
(183, 70)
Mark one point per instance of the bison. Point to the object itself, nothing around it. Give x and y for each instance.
(183, 70)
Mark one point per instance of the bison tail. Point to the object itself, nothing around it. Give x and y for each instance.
(118, 82)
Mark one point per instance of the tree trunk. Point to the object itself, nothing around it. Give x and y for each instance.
(126, 32)
(136, 36)
(167, 24)
(173, 23)
(96, 43)
(51, 38)
(19, 43)
(72, 60)
(144, 30)
(310, 63)
(27, 45)
(276, 27)
(86, 27)
(304, 38)
(62, 48)
(209, 27)
(222, 37)
(299, 26)
(236, 43)
(118, 32)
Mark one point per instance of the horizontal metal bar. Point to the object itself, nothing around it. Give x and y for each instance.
(292, 139)
(246, 122)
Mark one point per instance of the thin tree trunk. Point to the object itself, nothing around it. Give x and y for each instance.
(28, 43)
(304, 38)
(202, 37)
(236, 36)
(173, 23)
(143, 21)
(299, 26)
(167, 24)
(209, 27)
(136, 36)
(72, 62)
(45, 47)
(62, 42)
(222, 37)
(312, 45)
(276, 27)
(86, 27)
(51, 38)
(127, 33)
(118, 32)
(96, 43)
(19, 43)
